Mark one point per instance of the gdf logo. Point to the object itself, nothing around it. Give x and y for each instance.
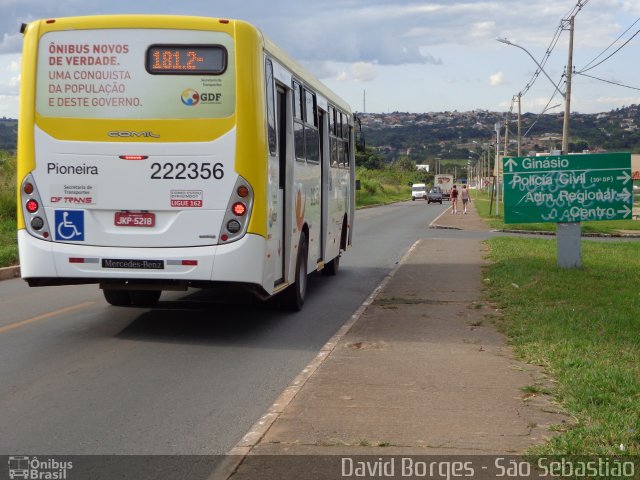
(210, 97)
(190, 97)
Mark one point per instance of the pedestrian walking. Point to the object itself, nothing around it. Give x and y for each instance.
(454, 200)
(464, 195)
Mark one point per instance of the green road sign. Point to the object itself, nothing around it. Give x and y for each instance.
(568, 188)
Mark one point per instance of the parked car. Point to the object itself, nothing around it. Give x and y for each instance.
(435, 195)
(418, 190)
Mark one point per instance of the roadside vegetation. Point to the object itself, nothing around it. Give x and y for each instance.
(583, 327)
(8, 242)
(385, 185)
(382, 182)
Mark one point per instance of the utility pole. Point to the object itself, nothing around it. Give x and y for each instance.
(567, 95)
(519, 124)
(506, 136)
(568, 234)
(497, 167)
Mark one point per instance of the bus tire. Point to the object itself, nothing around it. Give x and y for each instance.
(145, 298)
(293, 297)
(117, 298)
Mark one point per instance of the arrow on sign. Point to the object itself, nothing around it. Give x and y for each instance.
(624, 195)
(511, 163)
(625, 212)
(625, 177)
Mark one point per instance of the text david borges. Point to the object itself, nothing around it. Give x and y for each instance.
(406, 467)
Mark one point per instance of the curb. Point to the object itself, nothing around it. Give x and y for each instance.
(587, 235)
(239, 452)
(433, 223)
(7, 273)
(444, 227)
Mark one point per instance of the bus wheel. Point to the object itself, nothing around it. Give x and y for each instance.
(145, 298)
(293, 296)
(117, 298)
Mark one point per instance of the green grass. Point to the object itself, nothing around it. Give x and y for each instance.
(8, 242)
(7, 186)
(496, 222)
(583, 326)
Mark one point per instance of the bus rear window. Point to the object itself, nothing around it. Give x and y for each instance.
(128, 73)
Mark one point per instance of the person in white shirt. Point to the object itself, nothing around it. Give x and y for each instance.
(464, 195)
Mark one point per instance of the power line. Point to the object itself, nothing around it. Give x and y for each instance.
(540, 114)
(607, 81)
(614, 52)
(550, 48)
(578, 6)
(611, 45)
(554, 41)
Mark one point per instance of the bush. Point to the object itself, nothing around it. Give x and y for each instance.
(386, 185)
(7, 186)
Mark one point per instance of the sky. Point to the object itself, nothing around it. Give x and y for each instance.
(408, 56)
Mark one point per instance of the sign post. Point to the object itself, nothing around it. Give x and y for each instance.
(568, 189)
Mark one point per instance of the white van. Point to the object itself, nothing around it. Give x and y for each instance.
(418, 190)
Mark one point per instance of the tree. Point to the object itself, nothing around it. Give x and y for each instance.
(368, 159)
(405, 164)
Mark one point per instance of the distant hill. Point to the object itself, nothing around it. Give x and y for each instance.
(450, 135)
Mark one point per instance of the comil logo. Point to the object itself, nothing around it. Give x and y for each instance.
(190, 97)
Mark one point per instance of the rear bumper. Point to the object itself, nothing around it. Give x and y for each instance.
(241, 262)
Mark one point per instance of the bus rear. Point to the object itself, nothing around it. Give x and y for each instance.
(130, 165)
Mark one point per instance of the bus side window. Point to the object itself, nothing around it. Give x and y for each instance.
(271, 109)
(339, 129)
(297, 101)
(311, 135)
(347, 147)
(333, 142)
(310, 109)
(298, 125)
(332, 121)
(346, 130)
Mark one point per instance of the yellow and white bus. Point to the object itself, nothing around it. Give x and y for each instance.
(166, 152)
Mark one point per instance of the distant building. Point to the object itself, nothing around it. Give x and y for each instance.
(425, 168)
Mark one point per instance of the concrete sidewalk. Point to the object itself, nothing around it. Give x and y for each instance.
(471, 221)
(421, 371)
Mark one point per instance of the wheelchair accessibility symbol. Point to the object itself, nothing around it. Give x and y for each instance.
(70, 225)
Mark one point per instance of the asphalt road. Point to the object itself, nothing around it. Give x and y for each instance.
(78, 376)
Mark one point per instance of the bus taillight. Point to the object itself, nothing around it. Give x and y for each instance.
(35, 218)
(236, 220)
(243, 191)
(32, 206)
(233, 226)
(37, 223)
(239, 209)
